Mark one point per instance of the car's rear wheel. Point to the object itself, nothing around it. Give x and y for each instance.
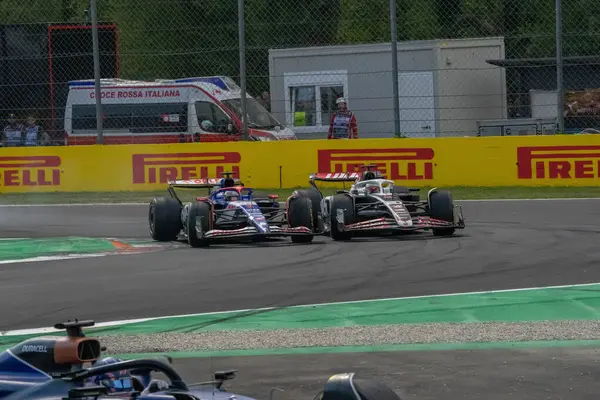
(164, 218)
(341, 202)
(203, 211)
(300, 214)
(441, 206)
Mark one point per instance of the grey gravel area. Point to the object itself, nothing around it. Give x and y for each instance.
(355, 335)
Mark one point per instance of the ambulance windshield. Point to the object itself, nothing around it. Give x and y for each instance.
(258, 116)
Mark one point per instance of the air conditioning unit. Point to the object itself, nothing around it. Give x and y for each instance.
(517, 127)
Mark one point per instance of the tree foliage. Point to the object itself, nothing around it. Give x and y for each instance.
(176, 38)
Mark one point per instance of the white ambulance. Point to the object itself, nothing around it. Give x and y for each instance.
(203, 109)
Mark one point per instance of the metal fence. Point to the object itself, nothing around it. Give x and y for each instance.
(463, 68)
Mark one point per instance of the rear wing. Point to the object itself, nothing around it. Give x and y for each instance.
(195, 183)
(335, 177)
(200, 183)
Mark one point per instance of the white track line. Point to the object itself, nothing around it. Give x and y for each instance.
(135, 249)
(53, 258)
(35, 331)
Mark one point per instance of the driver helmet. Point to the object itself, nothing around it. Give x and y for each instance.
(232, 195)
(372, 189)
(115, 382)
(206, 125)
(340, 100)
(368, 175)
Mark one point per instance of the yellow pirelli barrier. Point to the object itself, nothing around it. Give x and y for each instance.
(569, 160)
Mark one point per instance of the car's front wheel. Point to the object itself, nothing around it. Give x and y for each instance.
(203, 211)
(345, 203)
(441, 206)
(315, 199)
(300, 215)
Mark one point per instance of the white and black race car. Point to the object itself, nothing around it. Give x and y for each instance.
(374, 206)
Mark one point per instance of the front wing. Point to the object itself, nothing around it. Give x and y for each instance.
(418, 223)
(251, 231)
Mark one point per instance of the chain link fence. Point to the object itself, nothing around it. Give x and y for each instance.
(465, 67)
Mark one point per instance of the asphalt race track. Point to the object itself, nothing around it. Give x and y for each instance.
(507, 244)
(430, 375)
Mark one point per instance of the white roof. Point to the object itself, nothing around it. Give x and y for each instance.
(221, 86)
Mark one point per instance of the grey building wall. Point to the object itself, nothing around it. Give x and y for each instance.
(469, 90)
(370, 88)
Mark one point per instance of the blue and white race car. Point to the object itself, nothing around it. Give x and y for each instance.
(69, 367)
(230, 210)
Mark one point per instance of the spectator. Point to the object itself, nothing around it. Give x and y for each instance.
(34, 134)
(343, 122)
(13, 132)
(264, 100)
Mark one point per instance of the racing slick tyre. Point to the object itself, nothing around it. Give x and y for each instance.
(441, 207)
(341, 202)
(300, 214)
(315, 198)
(198, 209)
(164, 218)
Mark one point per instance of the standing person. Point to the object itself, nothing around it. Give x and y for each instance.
(13, 132)
(34, 135)
(343, 122)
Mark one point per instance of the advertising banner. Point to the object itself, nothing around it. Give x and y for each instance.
(564, 160)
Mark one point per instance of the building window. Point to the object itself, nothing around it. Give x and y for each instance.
(310, 98)
(304, 105)
(329, 95)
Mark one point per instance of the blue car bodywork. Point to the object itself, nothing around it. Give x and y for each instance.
(230, 210)
(54, 368)
(51, 367)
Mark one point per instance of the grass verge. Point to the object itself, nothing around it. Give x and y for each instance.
(460, 193)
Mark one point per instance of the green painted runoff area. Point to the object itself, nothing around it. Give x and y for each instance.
(536, 344)
(550, 304)
(20, 249)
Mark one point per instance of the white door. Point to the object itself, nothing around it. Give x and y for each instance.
(417, 108)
